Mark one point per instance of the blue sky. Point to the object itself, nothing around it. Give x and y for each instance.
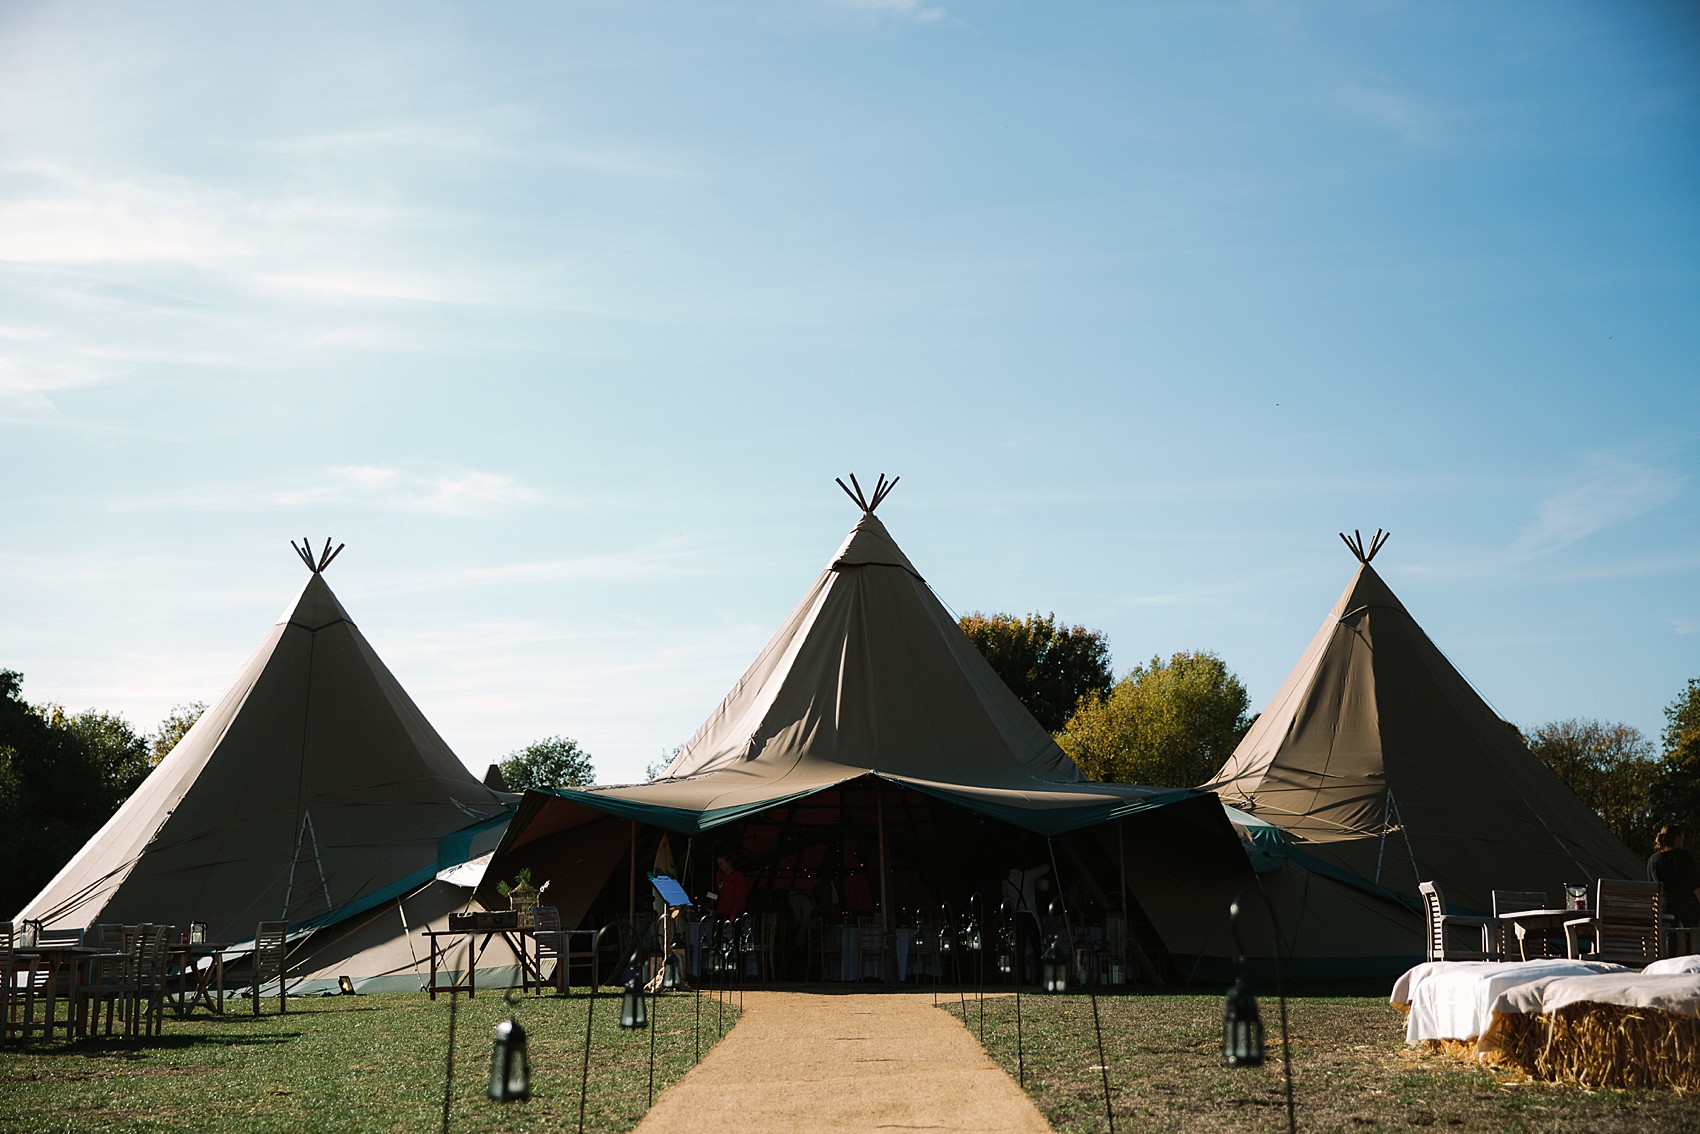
(564, 317)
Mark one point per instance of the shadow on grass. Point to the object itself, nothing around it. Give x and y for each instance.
(116, 1045)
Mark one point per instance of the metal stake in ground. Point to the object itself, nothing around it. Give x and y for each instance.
(449, 1069)
(1091, 991)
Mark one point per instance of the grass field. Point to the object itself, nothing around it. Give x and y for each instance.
(1351, 1072)
(358, 1064)
(376, 1063)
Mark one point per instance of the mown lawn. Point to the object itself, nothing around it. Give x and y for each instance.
(367, 1063)
(1351, 1072)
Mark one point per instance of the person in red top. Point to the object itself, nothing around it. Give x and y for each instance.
(731, 888)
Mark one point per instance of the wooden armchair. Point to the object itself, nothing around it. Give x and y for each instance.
(10, 1000)
(271, 962)
(766, 935)
(548, 943)
(924, 953)
(1506, 940)
(870, 947)
(1441, 925)
(1627, 927)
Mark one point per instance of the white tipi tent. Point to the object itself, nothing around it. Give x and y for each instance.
(871, 721)
(1384, 767)
(312, 791)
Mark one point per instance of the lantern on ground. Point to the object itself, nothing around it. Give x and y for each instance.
(1053, 969)
(510, 1069)
(634, 1011)
(1242, 1028)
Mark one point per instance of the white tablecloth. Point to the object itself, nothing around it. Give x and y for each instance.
(1454, 999)
(1675, 993)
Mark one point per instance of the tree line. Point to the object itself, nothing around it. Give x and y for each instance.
(1167, 722)
(1173, 722)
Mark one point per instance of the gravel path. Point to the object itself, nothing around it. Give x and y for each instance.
(844, 1062)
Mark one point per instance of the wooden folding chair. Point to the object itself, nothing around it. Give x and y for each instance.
(271, 962)
(1627, 927)
(1442, 924)
(1506, 940)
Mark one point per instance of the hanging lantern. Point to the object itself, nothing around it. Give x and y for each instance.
(634, 1010)
(746, 935)
(1242, 1028)
(510, 1070)
(671, 976)
(1006, 949)
(971, 937)
(1053, 969)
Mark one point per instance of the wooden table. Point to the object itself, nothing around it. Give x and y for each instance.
(208, 981)
(1544, 925)
(48, 963)
(442, 944)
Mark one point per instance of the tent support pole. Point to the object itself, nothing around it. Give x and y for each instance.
(631, 913)
(885, 906)
(1121, 858)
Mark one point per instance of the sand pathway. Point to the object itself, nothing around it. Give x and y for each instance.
(844, 1062)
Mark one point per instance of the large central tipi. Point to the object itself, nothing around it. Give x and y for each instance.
(312, 791)
(871, 747)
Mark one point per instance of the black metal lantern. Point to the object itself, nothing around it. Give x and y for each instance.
(1006, 948)
(671, 976)
(510, 1068)
(1053, 968)
(971, 940)
(1242, 1028)
(634, 1010)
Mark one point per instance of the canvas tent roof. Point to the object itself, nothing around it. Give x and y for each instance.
(312, 790)
(868, 687)
(871, 675)
(1378, 757)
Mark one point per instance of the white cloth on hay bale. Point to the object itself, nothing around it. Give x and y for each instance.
(1453, 1000)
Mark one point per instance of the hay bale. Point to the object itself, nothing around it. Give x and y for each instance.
(1600, 1045)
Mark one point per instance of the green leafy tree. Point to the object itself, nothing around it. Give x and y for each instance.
(1676, 796)
(1611, 767)
(553, 762)
(1169, 723)
(121, 754)
(173, 728)
(1049, 667)
(54, 794)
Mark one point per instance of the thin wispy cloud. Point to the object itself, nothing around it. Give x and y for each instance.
(456, 492)
(915, 10)
(1610, 490)
(360, 284)
(463, 493)
(1409, 119)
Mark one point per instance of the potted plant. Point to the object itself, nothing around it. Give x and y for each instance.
(521, 896)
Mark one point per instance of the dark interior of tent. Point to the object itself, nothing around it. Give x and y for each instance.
(844, 855)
